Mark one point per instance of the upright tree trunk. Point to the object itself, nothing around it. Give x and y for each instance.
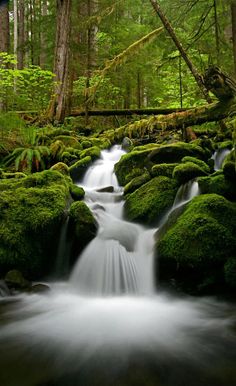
(43, 44)
(15, 14)
(179, 46)
(217, 37)
(4, 28)
(233, 16)
(21, 39)
(59, 101)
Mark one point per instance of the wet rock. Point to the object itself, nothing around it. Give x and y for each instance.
(107, 189)
(40, 288)
(127, 144)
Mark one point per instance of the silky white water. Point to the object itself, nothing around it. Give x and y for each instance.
(107, 325)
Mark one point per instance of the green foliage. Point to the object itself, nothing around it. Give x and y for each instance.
(28, 159)
(187, 171)
(83, 222)
(29, 88)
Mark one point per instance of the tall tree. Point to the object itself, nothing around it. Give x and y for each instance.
(233, 16)
(59, 102)
(4, 28)
(21, 32)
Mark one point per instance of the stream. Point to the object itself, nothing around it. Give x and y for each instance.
(108, 325)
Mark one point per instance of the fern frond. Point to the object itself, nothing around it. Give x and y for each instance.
(122, 57)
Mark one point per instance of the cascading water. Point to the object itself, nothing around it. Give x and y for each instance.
(219, 157)
(107, 326)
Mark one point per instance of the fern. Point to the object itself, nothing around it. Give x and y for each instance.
(28, 159)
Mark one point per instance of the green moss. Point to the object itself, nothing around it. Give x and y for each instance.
(78, 169)
(86, 144)
(148, 203)
(93, 152)
(187, 171)
(229, 171)
(101, 142)
(217, 183)
(31, 215)
(175, 152)
(225, 145)
(68, 140)
(77, 193)
(67, 157)
(61, 168)
(14, 175)
(136, 182)
(200, 242)
(135, 160)
(163, 170)
(148, 146)
(83, 222)
(198, 162)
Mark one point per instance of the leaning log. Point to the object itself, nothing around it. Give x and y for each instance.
(124, 112)
(217, 82)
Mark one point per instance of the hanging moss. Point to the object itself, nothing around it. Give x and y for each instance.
(148, 203)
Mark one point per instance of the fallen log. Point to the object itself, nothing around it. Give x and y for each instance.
(125, 112)
(217, 82)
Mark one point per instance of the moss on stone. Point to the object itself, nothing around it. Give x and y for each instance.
(148, 203)
(203, 165)
(187, 171)
(86, 144)
(175, 152)
(68, 140)
(198, 245)
(133, 161)
(218, 184)
(229, 171)
(31, 212)
(225, 145)
(148, 146)
(61, 168)
(77, 193)
(136, 182)
(163, 170)
(78, 169)
(83, 223)
(13, 175)
(93, 152)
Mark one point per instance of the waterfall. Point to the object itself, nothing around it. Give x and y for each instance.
(118, 261)
(219, 157)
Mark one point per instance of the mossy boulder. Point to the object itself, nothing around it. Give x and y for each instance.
(175, 152)
(217, 183)
(229, 171)
(13, 175)
(136, 182)
(86, 144)
(69, 141)
(203, 165)
(77, 193)
(187, 171)
(15, 280)
(78, 169)
(163, 170)
(93, 152)
(149, 203)
(195, 249)
(31, 212)
(131, 165)
(61, 168)
(82, 225)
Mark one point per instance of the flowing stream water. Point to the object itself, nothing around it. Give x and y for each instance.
(107, 325)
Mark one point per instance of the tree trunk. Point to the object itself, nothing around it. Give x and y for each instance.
(5, 32)
(21, 39)
(15, 14)
(217, 37)
(233, 16)
(43, 44)
(58, 105)
(182, 51)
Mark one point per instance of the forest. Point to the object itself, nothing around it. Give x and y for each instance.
(117, 192)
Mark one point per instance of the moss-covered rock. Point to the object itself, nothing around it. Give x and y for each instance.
(93, 152)
(187, 171)
(148, 203)
(175, 152)
(136, 182)
(163, 170)
(82, 224)
(203, 165)
(196, 248)
(69, 141)
(86, 144)
(61, 168)
(229, 171)
(131, 165)
(77, 193)
(13, 175)
(217, 183)
(31, 211)
(78, 169)
(225, 145)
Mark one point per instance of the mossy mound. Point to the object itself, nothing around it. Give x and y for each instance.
(13, 175)
(82, 224)
(86, 144)
(31, 211)
(136, 182)
(163, 170)
(225, 145)
(196, 248)
(69, 141)
(175, 152)
(131, 165)
(93, 152)
(61, 168)
(229, 171)
(78, 169)
(218, 184)
(148, 203)
(187, 171)
(77, 193)
(203, 165)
